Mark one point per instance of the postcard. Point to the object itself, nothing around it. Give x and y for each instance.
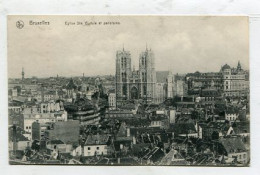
(128, 90)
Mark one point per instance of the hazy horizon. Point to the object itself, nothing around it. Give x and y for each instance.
(181, 44)
(60, 76)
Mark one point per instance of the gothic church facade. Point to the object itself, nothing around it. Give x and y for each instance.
(134, 84)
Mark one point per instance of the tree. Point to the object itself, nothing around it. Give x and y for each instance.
(215, 135)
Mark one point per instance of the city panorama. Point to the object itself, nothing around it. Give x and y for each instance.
(142, 112)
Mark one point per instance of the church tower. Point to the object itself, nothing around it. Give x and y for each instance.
(22, 78)
(123, 73)
(147, 75)
(170, 85)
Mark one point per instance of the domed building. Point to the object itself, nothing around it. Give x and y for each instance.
(225, 67)
(234, 80)
(84, 111)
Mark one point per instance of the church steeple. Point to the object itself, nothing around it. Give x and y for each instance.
(239, 66)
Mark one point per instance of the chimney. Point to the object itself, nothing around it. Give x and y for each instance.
(128, 132)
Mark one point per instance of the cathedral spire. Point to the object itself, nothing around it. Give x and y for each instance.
(22, 73)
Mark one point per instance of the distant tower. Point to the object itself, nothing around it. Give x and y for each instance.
(22, 74)
(123, 73)
(239, 66)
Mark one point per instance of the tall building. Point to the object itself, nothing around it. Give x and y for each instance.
(132, 84)
(180, 87)
(160, 92)
(164, 86)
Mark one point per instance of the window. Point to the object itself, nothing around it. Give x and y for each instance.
(244, 156)
(97, 148)
(26, 127)
(89, 148)
(144, 90)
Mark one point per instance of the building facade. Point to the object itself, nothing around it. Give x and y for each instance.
(197, 81)
(235, 81)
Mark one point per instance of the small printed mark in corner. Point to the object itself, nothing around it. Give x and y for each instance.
(20, 24)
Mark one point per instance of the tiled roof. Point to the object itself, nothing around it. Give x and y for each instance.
(122, 130)
(71, 84)
(184, 128)
(158, 117)
(19, 134)
(55, 142)
(172, 157)
(241, 127)
(233, 144)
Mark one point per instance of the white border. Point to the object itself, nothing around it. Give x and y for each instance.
(157, 7)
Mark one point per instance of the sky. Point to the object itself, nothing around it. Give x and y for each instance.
(180, 44)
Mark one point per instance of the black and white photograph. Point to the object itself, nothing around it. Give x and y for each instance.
(128, 90)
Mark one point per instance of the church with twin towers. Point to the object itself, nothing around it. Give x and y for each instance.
(141, 84)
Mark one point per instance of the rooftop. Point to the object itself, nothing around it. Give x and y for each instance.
(97, 139)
